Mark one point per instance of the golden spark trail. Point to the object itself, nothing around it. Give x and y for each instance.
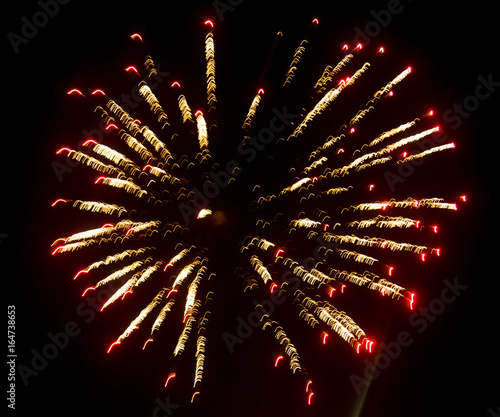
(186, 114)
(249, 119)
(327, 99)
(94, 163)
(210, 73)
(261, 269)
(157, 144)
(295, 61)
(407, 203)
(114, 258)
(427, 152)
(360, 163)
(154, 104)
(374, 242)
(384, 90)
(328, 74)
(185, 272)
(115, 157)
(356, 257)
(127, 185)
(392, 132)
(284, 341)
(384, 221)
(202, 130)
(137, 147)
(98, 207)
(192, 289)
(130, 124)
(134, 325)
(308, 223)
(150, 66)
(161, 316)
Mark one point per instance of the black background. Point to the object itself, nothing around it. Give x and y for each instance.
(451, 367)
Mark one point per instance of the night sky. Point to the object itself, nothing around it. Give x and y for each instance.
(446, 362)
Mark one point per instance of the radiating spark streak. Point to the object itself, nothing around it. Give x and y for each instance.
(427, 152)
(249, 119)
(296, 185)
(127, 185)
(295, 61)
(161, 173)
(308, 223)
(384, 90)
(338, 321)
(392, 132)
(374, 242)
(261, 269)
(192, 290)
(161, 316)
(88, 234)
(283, 339)
(327, 99)
(136, 146)
(157, 144)
(181, 343)
(134, 325)
(114, 156)
(328, 74)
(121, 291)
(360, 162)
(200, 355)
(407, 203)
(202, 130)
(125, 118)
(384, 221)
(186, 114)
(357, 257)
(120, 273)
(98, 207)
(95, 163)
(114, 258)
(185, 272)
(154, 104)
(315, 164)
(210, 72)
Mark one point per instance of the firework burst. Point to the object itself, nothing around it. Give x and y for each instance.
(175, 204)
